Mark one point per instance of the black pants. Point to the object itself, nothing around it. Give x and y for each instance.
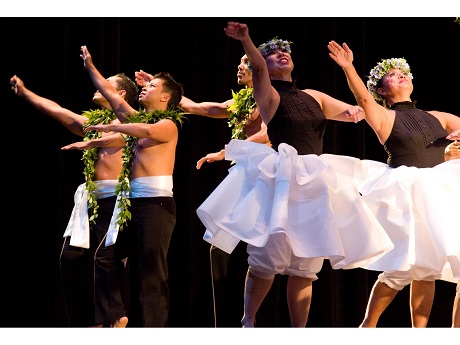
(109, 270)
(87, 304)
(145, 242)
(77, 281)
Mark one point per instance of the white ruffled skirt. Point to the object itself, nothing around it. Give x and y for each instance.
(313, 200)
(419, 209)
(356, 213)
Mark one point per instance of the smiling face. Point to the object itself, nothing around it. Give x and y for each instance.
(279, 64)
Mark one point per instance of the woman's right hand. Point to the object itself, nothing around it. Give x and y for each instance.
(343, 56)
(237, 31)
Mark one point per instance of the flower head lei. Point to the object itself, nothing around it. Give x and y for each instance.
(122, 188)
(382, 68)
(90, 156)
(274, 44)
(240, 111)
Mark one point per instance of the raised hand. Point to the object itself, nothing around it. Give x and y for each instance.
(237, 31)
(142, 78)
(86, 56)
(342, 55)
(16, 85)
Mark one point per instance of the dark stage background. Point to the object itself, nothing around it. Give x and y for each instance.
(40, 179)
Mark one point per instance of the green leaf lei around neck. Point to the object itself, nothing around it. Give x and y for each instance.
(122, 188)
(95, 117)
(240, 112)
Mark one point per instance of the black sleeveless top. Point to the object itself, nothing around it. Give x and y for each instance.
(417, 138)
(299, 120)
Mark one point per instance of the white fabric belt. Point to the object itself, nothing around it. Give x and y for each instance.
(148, 186)
(78, 226)
(151, 186)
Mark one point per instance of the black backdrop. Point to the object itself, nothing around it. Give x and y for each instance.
(40, 180)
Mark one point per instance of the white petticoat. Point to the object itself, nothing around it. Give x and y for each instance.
(313, 199)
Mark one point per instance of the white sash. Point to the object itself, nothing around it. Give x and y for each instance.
(148, 186)
(78, 226)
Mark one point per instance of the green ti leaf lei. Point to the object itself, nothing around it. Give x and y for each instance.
(95, 117)
(240, 112)
(122, 188)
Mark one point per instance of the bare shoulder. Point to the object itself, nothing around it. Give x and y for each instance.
(439, 113)
(314, 93)
(166, 123)
(449, 121)
(317, 95)
(441, 116)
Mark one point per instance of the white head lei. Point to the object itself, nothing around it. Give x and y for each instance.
(274, 44)
(382, 68)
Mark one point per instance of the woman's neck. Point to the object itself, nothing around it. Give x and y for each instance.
(392, 100)
(283, 75)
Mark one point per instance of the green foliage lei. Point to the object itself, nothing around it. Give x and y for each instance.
(122, 188)
(95, 117)
(240, 111)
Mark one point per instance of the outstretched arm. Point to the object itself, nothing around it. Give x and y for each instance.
(335, 109)
(211, 157)
(117, 102)
(265, 95)
(260, 137)
(161, 131)
(209, 109)
(70, 120)
(114, 140)
(377, 116)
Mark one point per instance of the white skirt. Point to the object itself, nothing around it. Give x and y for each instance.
(420, 210)
(313, 199)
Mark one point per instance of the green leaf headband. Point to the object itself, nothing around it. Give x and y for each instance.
(274, 44)
(382, 68)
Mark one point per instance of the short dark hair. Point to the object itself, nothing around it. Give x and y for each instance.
(172, 87)
(132, 91)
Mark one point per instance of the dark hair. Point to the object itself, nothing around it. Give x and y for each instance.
(132, 91)
(382, 101)
(379, 83)
(172, 87)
